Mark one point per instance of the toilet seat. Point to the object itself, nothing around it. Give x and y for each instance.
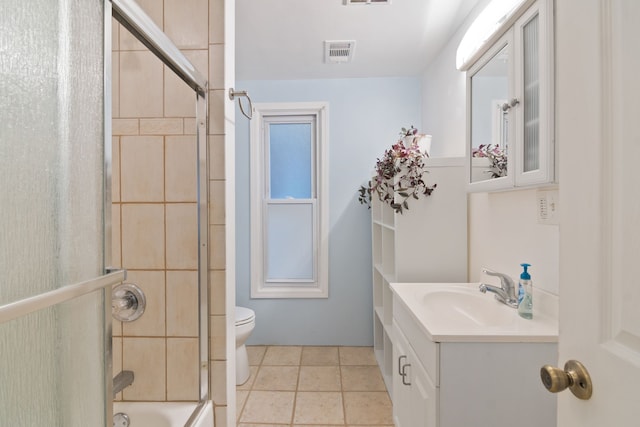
(244, 315)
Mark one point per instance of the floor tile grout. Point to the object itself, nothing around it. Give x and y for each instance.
(356, 395)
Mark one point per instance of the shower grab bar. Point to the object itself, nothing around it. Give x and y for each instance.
(233, 94)
(32, 304)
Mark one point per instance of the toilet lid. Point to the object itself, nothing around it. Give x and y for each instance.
(244, 315)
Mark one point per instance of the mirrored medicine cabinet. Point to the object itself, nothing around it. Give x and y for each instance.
(510, 132)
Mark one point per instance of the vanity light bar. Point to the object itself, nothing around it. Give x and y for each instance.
(486, 27)
(354, 2)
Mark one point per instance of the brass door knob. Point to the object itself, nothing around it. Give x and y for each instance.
(575, 377)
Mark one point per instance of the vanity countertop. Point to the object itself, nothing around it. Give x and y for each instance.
(459, 312)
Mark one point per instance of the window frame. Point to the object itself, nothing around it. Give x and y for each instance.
(288, 288)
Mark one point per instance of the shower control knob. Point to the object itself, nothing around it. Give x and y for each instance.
(127, 302)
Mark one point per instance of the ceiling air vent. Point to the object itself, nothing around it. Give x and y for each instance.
(351, 2)
(338, 51)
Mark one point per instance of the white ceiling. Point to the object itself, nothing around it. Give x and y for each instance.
(284, 39)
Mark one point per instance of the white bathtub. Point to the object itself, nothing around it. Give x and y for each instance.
(164, 414)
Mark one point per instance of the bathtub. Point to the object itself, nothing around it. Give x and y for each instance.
(164, 414)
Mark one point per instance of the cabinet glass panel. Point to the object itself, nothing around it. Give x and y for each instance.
(489, 120)
(531, 104)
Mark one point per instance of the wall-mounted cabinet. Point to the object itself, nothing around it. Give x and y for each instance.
(426, 243)
(510, 114)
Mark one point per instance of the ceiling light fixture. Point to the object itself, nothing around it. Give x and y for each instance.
(354, 2)
(488, 23)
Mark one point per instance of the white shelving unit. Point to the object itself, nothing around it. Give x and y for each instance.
(426, 243)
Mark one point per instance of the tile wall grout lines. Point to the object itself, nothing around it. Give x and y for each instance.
(164, 198)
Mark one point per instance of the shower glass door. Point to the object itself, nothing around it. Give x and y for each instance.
(54, 358)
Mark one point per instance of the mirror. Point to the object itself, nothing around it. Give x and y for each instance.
(489, 118)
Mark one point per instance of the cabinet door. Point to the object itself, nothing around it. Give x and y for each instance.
(401, 379)
(534, 113)
(414, 400)
(490, 127)
(423, 395)
(424, 403)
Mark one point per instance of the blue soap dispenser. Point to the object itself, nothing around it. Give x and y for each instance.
(525, 294)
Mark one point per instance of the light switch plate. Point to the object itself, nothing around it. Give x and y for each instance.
(548, 207)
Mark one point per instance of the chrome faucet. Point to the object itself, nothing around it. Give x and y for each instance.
(506, 293)
(121, 381)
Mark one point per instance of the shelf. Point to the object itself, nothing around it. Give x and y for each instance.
(425, 243)
(376, 210)
(388, 277)
(378, 281)
(388, 215)
(436, 162)
(382, 224)
(378, 312)
(388, 251)
(387, 328)
(376, 242)
(387, 364)
(387, 304)
(379, 356)
(388, 382)
(387, 377)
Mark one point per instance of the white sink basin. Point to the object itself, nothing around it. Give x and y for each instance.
(461, 305)
(460, 312)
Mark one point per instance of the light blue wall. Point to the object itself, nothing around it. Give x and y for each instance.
(365, 116)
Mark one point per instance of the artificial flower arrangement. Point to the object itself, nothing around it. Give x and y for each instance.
(399, 174)
(497, 159)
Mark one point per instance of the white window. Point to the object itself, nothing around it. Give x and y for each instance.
(289, 203)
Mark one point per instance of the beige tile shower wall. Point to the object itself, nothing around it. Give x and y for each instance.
(217, 240)
(154, 203)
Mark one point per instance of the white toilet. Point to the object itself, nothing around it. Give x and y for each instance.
(245, 322)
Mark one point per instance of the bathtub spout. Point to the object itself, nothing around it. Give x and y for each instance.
(121, 381)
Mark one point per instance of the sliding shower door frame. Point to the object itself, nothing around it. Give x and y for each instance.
(106, 211)
(133, 18)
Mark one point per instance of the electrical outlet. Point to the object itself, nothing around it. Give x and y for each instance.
(548, 207)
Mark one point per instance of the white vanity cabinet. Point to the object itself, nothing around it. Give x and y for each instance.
(510, 114)
(414, 400)
(465, 380)
(428, 242)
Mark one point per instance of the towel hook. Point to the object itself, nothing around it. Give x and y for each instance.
(241, 93)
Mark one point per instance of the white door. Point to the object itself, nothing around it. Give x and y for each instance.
(598, 123)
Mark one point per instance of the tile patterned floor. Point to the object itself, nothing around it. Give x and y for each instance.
(320, 386)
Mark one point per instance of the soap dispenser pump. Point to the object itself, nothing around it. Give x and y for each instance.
(525, 294)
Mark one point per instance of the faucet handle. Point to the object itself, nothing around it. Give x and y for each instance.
(491, 272)
(506, 281)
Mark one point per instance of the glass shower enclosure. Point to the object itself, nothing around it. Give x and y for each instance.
(55, 136)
